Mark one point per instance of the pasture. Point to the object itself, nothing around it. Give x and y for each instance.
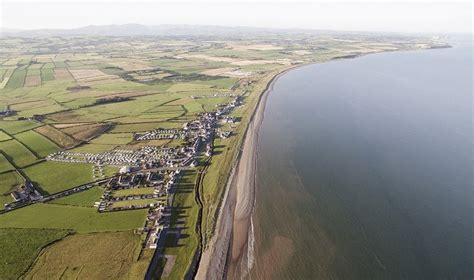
(38, 144)
(20, 247)
(8, 181)
(17, 153)
(80, 219)
(85, 198)
(134, 191)
(5, 165)
(110, 255)
(53, 177)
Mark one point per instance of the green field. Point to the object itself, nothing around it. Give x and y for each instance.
(133, 191)
(185, 210)
(17, 79)
(17, 153)
(8, 181)
(19, 248)
(39, 144)
(4, 136)
(13, 127)
(111, 139)
(81, 219)
(136, 202)
(53, 177)
(85, 198)
(90, 256)
(5, 165)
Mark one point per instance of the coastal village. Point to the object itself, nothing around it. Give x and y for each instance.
(147, 176)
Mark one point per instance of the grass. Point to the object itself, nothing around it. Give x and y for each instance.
(185, 210)
(85, 198)
(57, 136)
(93, 148)
(4, 136)
(8, 181)
(14, 127)
(17, 79)
(39, 144)
(17, 153)
(54, 177)
(136, 202)
(19, 248)
(116, 138)
(5, 165)
(89, 256)
(134, 191)
(80, 219)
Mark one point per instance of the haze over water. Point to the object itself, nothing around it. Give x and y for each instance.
(365, 169)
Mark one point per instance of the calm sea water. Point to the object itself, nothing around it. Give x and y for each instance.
(365, 169)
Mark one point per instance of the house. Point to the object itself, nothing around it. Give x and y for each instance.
(124, 169)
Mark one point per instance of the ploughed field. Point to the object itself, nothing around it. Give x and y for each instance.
(94, 95)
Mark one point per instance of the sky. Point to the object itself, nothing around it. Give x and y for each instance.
(420, 17)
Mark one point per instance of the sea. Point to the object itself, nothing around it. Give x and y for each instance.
(365, 169)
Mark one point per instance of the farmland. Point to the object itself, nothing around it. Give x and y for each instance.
(91, 95)
(80, 219)
(89, 256)
(20, 248)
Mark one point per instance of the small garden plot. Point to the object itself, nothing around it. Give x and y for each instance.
(17, 153)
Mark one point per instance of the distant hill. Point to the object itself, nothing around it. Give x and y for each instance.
(160, 30)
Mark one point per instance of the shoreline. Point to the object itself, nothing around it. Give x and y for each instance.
(238, 199)
(225, 253)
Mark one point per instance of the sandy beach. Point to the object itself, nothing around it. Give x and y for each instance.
(226, 254)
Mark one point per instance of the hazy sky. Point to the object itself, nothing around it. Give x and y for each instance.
(363, 16)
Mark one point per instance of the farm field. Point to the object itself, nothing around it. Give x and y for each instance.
(134, 191)
(5, 165)
(8, 180)
(37, 143)
(80, 219)
(136, 202)
(96, 94)
(110, 255)
(85, 198)
(19, 248)
(16, 152)
(53, 177)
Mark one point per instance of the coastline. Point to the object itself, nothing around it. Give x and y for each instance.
(230, 238)
(226, 255)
